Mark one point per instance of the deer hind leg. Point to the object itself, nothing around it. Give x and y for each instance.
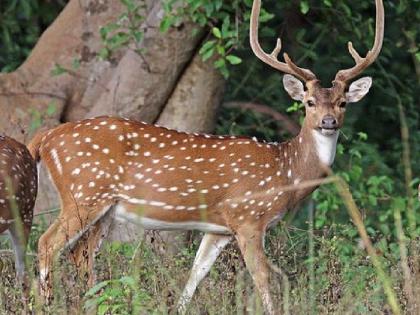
(210, 247)
(250, 243)
(71, 224)
(84, 251)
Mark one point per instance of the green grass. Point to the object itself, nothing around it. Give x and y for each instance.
(139, 279)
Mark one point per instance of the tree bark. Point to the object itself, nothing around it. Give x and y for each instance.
(193, 105)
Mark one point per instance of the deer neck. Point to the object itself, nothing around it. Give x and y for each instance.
(309, 152)
(325, 146)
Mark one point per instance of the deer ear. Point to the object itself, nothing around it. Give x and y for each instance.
(294, 87)
(358, 89)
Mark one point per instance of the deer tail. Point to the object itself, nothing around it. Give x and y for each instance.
(35, 144)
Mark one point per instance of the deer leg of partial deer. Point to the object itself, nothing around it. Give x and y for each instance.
(84, 251)
(210, 247)
(250, 242)
(19, 240)
(65, 232)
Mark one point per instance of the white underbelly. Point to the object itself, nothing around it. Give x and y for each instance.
(122, 215)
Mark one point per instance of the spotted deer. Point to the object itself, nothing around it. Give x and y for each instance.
(228, 187)
(18, 189)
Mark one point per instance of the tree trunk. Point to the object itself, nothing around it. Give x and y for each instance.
(168, 83)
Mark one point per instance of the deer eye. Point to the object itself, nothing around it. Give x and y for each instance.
(342, 105)
(310, 103)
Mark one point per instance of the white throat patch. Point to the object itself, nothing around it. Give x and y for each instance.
(325, 146)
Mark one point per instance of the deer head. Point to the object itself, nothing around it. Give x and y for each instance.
(324, 107)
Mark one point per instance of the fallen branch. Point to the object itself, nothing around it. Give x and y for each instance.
(47, 212)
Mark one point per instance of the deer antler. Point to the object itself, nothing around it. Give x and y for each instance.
(362, 63)
(271, 59)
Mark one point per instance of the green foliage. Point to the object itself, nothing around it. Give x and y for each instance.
(21, 24)
(36, 116)
(120, 296)
(304, 6)
(58, 70)
(222, 19)
(125, 31)
(139, 279)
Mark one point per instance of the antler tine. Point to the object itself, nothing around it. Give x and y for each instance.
(362, 63)
(276, 50)
(300, 72)
(271, 59)
(354, 53)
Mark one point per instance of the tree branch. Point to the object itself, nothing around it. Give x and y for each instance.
(290, 125)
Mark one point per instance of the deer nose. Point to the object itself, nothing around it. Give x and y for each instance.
(329, 122)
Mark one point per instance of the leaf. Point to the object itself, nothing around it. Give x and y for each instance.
(166, 24)
(129, 281)
(75, 63)
(90, 304)
(103, 309)
(131, 7)
(233, 60)
(25, 8)
(58, 70)
(195, 32)
(118, 40)
(372, 200)
(6, 37)
(96, 288)
(208, 54)
(265, 16)
(328, 3)
(219, 63)
(362, 136)
(304, 7)
(104, 53)
(51, 109)
(225, 27)
(224, 72)
(209, 9)
(355, 152)
(221, 50)
(248, 3)
(138, 36)
(207, 46)
(216, 32)
(104, 31)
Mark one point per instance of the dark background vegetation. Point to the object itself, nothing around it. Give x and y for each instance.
(378, 153)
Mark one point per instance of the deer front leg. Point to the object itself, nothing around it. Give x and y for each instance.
(210, 247)
(43, 260)
(84, 252)
(250, 243)
(63, 233)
